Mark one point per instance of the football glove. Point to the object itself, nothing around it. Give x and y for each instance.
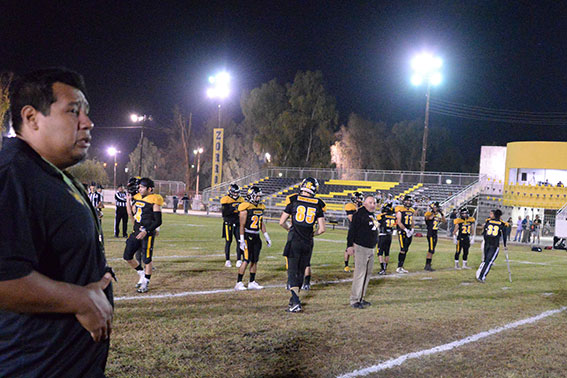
(268, 241)
(242, 243)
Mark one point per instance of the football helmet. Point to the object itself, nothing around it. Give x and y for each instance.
(434, 206)
(132, 186)
(407, 201)
(309, 185)
(233, 191)
(464, 212)
(357, 198)
(388, 208)
(254, 195)
(147, 182)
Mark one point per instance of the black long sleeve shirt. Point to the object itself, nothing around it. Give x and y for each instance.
(363, 229)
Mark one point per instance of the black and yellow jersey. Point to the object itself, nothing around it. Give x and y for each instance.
(304, 212)
(407, 215)
(143, 209)
(433, 223)
(350, 208)
(230, 208)
(254, 216)
(464, 226)
(387, 223)
(492, 231)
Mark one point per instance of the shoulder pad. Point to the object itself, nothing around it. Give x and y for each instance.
(226, 200)
(291, 198)
(350, 206)
(137, 196)
(156, 199)
(244, 206)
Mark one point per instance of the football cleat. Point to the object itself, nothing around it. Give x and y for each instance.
(346, 269)
(238, 263)
(296, 307)
(239, 286)
(306, 287)
(254, 286)
(465, 266)
(401, 270)
(382, 272)
(479, 280)
(141, 279)
(228, 264)
(429, 268)
(457, 265)
(144, 287)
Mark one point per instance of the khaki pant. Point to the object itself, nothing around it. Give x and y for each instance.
(363, 264)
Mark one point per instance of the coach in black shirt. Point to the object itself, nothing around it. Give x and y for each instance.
(361, 241)
(55, 294)
(121, 212)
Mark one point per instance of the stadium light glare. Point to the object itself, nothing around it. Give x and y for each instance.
(426, 69)
(112, 151)
(449, 181)
(268, 157)
(280, 174)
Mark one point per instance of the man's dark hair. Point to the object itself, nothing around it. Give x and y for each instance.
(497, 213)
(36, 89)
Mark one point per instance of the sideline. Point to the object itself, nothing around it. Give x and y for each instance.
(446, 347)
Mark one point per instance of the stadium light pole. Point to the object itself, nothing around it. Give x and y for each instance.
(198, 153)
(426, 69)
(112, 151)
(220, 89)
(137, 119)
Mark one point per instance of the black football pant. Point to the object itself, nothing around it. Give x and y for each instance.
(121, 216)
(298, 253)
(463, 244)
(490, 254)
(229, 231)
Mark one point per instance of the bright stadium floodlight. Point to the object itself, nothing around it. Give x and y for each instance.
(112, 151)
(267, 157)
(220, 89)
(426, 69)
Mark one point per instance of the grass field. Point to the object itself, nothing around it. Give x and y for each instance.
(249, 334)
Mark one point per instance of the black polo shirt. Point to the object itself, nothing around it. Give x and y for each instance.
(47, 227)
(363, 229)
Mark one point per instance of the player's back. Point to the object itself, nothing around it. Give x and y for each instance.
(304, 212)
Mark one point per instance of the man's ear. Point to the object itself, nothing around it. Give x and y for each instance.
(29, 117)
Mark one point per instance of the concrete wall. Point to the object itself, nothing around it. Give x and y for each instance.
(493, 162)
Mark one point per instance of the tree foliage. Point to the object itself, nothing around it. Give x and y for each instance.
(296, 125)
(5, 80)
(152, 161)
(90, 171)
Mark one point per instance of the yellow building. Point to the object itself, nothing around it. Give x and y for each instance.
(532, 175)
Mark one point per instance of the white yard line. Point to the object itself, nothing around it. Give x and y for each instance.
(449, 346)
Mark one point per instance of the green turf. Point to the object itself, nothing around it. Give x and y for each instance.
(250, 334)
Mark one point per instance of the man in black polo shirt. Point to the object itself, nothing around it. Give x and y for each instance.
(55, 293)
(361, 241)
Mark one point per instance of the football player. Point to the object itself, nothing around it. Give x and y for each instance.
(305, 212)
(493, 229)
(461, 236)
(433, 218)
(355, 203)
(251, 213)
(405, 224)
(387, 221)
(145, 208)
(231, 223)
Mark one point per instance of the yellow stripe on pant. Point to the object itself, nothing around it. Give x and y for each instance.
(150, 246)
(246, 250)
(430, 243)
(226, 231)
(401, 240)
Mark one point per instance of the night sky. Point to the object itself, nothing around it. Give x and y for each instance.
(147, 56)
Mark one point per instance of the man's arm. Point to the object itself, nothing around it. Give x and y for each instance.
(399, 221)
(155, 224)
(283, 220)
(129, 207)
(36, 293)
(321, 226)
(242, 217)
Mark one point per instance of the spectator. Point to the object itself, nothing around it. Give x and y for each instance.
(526, 225)
(509, 228)
(560, 184)
(536, 227)
(175, 203)
(518, 236)
(185, 200)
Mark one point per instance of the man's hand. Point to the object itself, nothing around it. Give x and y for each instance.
(142, 235)
(409, 233)
(350, 251)
(96, 313)
(268, 240)
(242, 243)
(455, 239)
